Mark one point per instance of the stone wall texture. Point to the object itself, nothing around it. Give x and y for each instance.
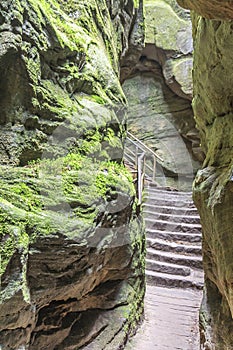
(72, 244)
(159, 92)
(212, 9)
(213, 187)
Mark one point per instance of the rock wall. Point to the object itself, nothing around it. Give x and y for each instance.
(212, 9)
(213, 186)
(72, 245)
(159, 91)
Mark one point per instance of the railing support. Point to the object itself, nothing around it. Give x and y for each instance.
(141, 145)
(154, 168)
(136, 154)
(140, 177)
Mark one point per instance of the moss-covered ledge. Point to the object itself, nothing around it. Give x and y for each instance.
(68, 228)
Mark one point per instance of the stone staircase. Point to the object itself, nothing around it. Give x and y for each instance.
(173, 236)
(173, 272)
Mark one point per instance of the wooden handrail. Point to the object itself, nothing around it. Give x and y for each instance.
(143, 146)
(137, 158)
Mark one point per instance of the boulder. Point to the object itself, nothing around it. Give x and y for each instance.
(169, 35)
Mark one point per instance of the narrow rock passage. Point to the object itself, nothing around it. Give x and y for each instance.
(174, 273)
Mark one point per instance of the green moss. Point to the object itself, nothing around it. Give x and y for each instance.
(68, 32)
(114, 176)
(84, 61)
(136, 3)
(23, 197)
(97, 99)
(13, 238)
(73, 161)
(42, 191)
(19, 197)
(161, 19)
(53, 101)
(102, 180)
(70, 55)
(134, 312)
(28, 195)
(91, 144)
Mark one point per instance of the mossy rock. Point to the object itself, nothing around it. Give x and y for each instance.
(54, 196)
(165, 28)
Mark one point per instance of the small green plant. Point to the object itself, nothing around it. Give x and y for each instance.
(28, 195)
(73, 161)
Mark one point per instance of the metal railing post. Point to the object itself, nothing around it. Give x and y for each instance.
(154, 168)
(140, 178)
(139, 161)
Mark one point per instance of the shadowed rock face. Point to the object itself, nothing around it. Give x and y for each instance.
(72, 246)
(213, 187)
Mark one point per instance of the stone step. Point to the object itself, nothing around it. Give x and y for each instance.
(189, 219)
(169, 202)
(169, 193)
(165, 195)
(160, 244)
(174, 258)
(170, 209)
(174, 236)
(174, 195)
(161, 266)
(162, 279)
(164, 225)
(154, 187)
(167, 189)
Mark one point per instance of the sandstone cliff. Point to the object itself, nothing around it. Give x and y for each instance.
(72, 246)
(212, 104)
(159, 92)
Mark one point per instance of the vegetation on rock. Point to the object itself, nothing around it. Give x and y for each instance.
(69, 232)
(212, 104)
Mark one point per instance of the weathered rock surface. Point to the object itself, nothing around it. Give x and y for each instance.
(213, 185)
(169, 41)
(159, 89)
(159, 117)
(72, 247)
(133, 50)
(212, 9)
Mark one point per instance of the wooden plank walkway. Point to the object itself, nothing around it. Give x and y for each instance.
(171, 320)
